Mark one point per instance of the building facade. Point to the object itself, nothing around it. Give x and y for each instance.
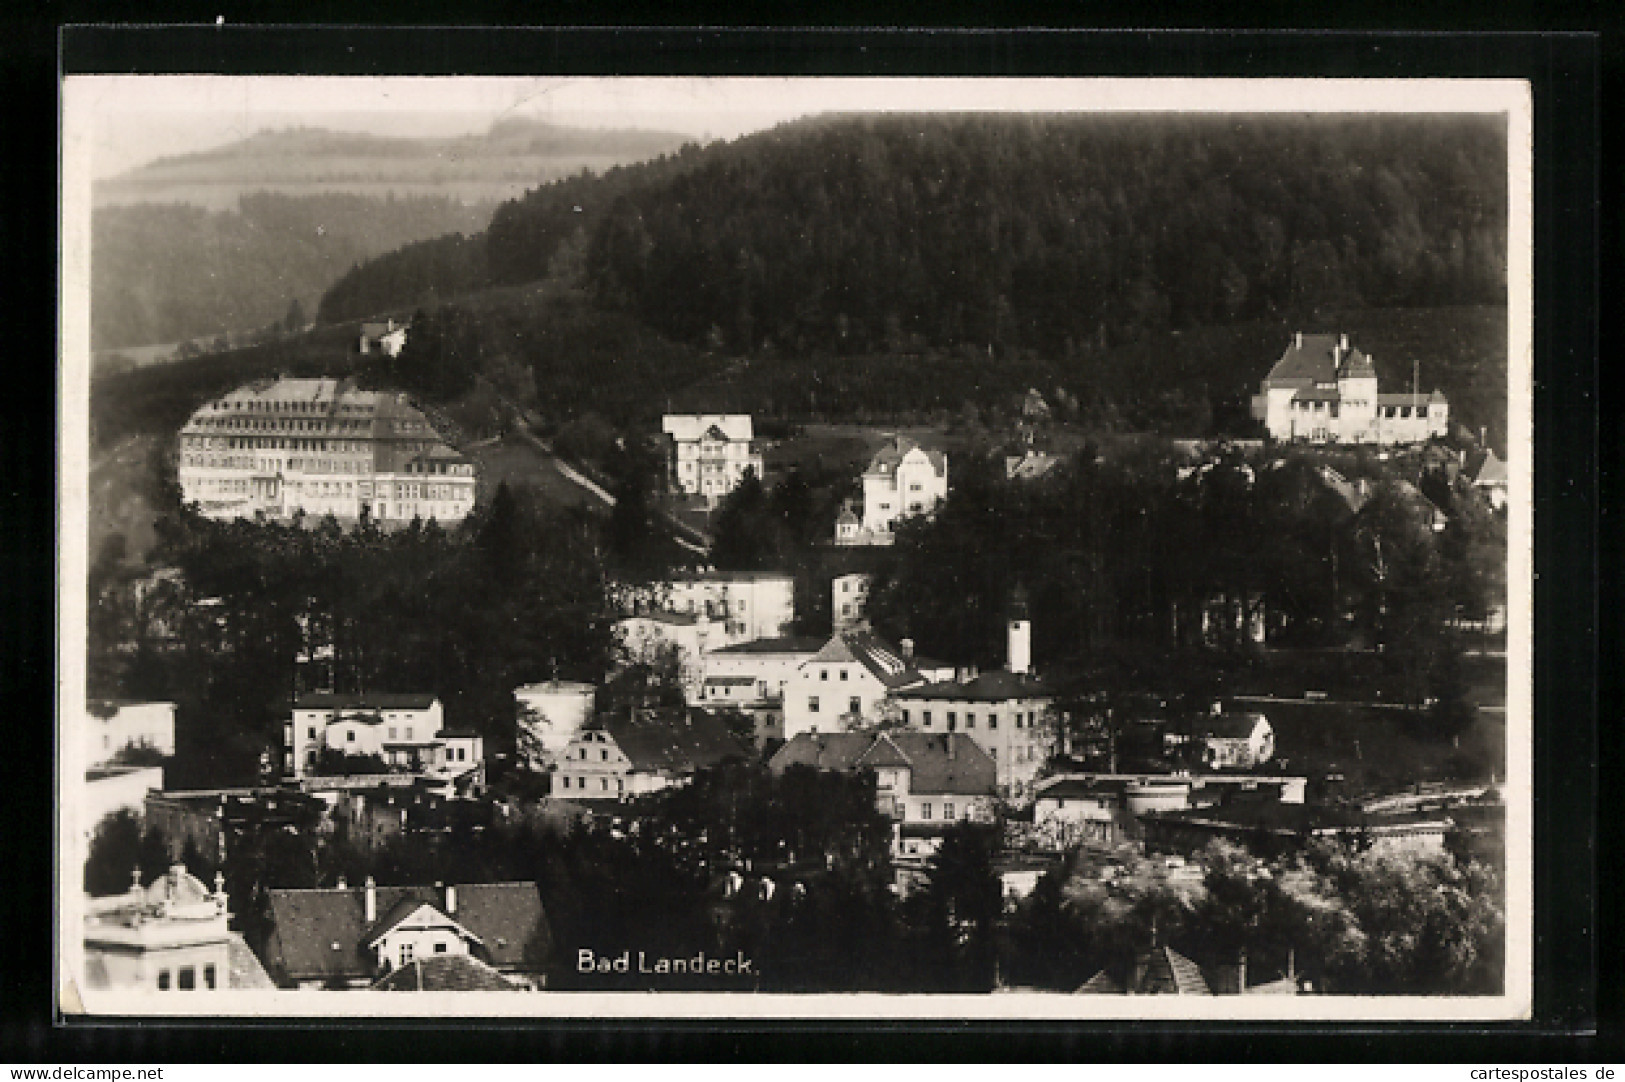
(407, 732)
(847, 685)
(1324, 391)
(903, 479)
(320, 447)
(744, 605)
(170, 936)
(615, 756)
(849, 597)
(708, 454)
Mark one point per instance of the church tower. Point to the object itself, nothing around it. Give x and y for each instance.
(1019, 633)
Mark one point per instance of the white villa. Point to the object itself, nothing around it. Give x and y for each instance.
(406, 731)
(903, 479)
(708, 453)
(1324, 391)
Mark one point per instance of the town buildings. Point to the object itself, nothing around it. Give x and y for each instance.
(902, 479)
(1324, 391)
(321, 447)
(350, 937)
(665, 640)
(621, 755)
(1009, 714)
(171, 936)
(745, 605)
(752, 677)
(708, 454)
(925, 783)
(849, 682)
(406, 732)
(1239, 741)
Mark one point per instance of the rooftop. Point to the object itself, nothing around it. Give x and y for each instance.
(326, 700)
(995, 686)
(792, 644)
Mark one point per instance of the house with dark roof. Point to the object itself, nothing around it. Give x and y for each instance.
(847, 684)
(345, 937)
(1078, 811)
(902, 479)
(925, 782)
(446, 973)
(386, 337)
(1322, 390)
(620, 755)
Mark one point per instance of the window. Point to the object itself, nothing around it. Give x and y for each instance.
(993, 753)
(208, 977)
(392, 732)
(408, 732)
(163, 980)
(812, 704)
(953, 721)
(843, 674)
(854, 705)
(186, 979)
(993, 721)
(440, 948)
(349, 735)
(310, 733)
(406, 953)
(925, 810)
(603, 784)
(905, 717)
(604, 754)
(564, 782)
(620, 785)
(925, 718)
(948, 810)
(583, 753)
(823, 674)
(970, 721)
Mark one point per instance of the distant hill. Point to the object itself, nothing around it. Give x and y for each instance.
(169, 272)
(512, 156)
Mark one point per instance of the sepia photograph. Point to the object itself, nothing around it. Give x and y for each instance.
(795, 547)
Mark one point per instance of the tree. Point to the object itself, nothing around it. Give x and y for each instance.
(748, 535)
(119, 847)
(959, 910)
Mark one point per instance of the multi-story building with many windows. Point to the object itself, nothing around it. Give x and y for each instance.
(707, 454)
(319, 446)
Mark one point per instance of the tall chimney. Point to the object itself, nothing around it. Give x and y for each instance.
(1297, 340)
(451, 899)
(1343, 342)
(907, 646)
(370, 910)
(1241, 972)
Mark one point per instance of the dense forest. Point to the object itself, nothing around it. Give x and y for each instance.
(1039, 233)
(170, 272)
(877, 267)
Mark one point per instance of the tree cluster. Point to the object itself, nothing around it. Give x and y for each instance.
(261, 611)
(1121, 550)
(1349, 922)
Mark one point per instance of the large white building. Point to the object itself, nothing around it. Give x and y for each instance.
(278, 447)
(708, 453)
(407, 732)
(747, 605)
(903, 479)
(1324, 391)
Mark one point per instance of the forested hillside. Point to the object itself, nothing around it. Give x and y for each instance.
(873, 266)
(170, 272)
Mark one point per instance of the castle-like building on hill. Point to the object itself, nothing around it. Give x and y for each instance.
(321, 447)
(1324, 391)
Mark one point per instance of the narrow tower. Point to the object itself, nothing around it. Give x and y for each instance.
(1019, 630)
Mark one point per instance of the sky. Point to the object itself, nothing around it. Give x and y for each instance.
(127, 121)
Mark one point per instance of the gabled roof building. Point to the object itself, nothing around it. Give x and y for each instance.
(708, 454)
(616, 756)
(1322, 390)
(349, 937)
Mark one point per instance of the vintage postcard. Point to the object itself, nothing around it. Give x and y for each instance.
(775, 547)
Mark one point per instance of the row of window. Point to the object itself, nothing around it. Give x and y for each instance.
(408, 951)
(580, 783)
(952, 719)
(186, 978)
(854, 705)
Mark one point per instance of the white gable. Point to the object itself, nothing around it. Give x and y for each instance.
(688, 427)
